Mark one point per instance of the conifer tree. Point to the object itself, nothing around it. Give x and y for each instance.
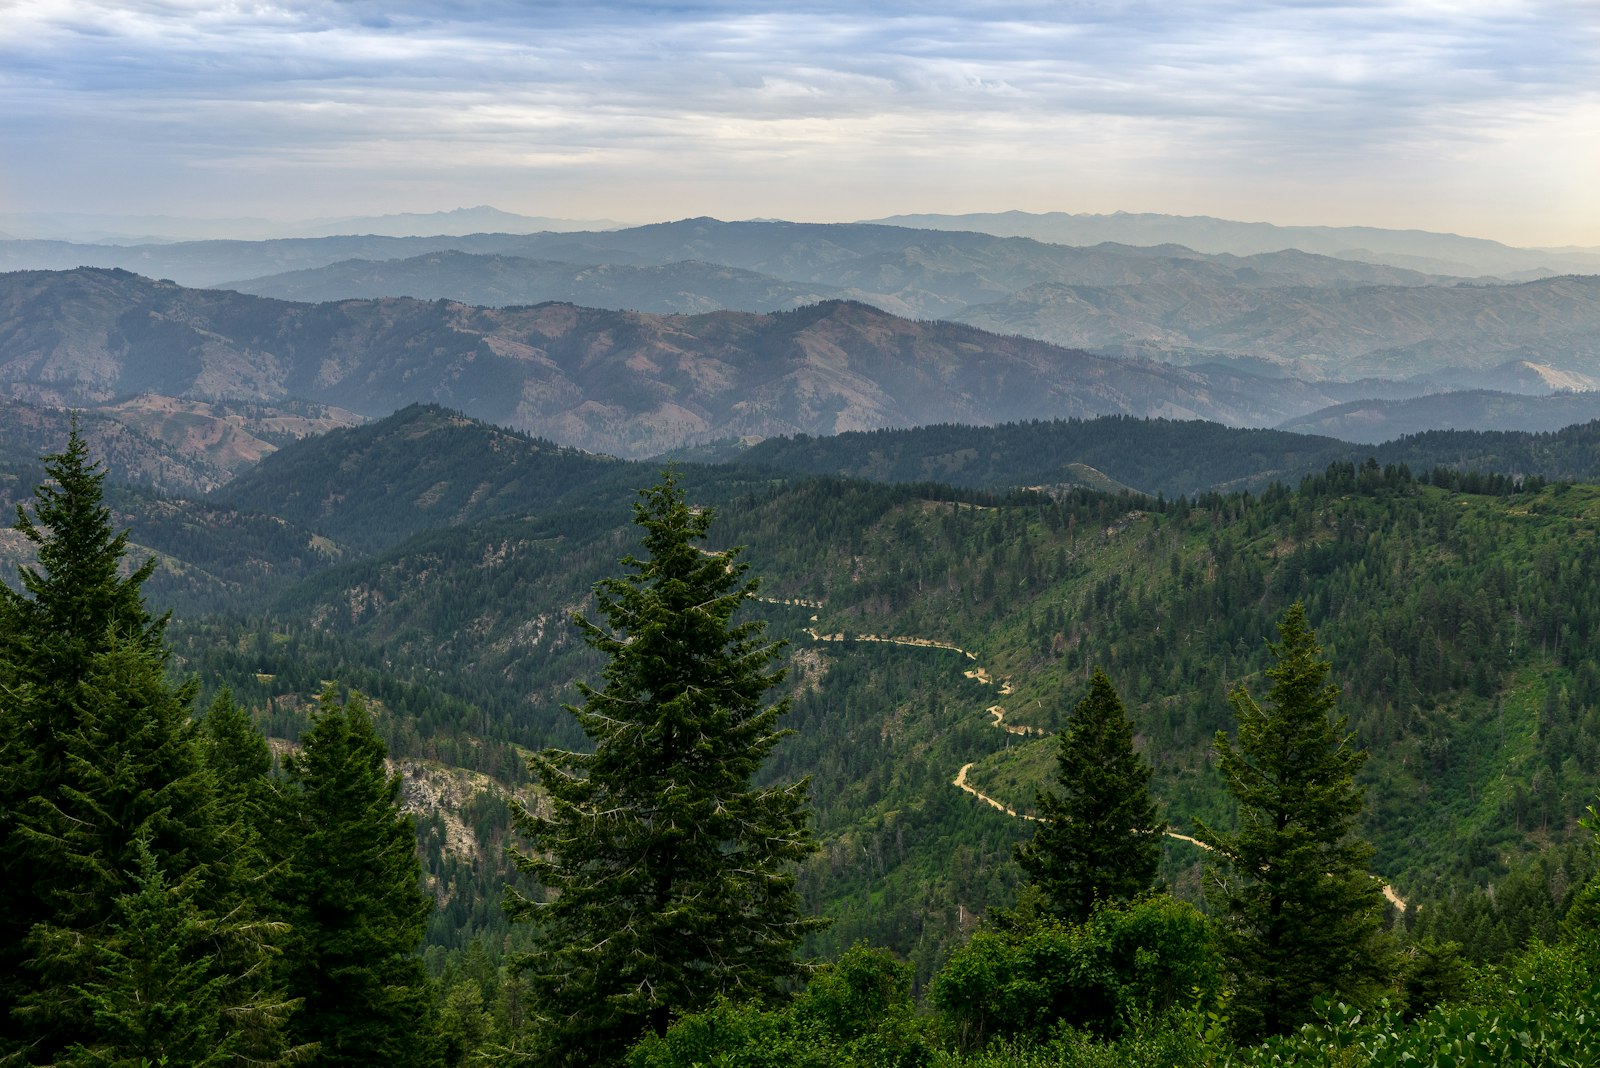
(155, 993)
(352, 896)
(234, 749)
(1301, 917)
(103, 773)
(1098, 836)
(670, 876)
(70, 608)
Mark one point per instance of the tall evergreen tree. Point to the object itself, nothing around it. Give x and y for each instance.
(70, 609)
(352, 895)
(104, 778)
(669, 876)
(155, 994)
(1300, 914)
(1098, 836)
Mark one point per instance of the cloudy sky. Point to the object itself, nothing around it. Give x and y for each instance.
(1475, 116)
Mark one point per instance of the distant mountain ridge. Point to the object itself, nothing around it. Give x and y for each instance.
(1309, 316)
(1438, 253)
(936, 269)
(138, 229)
(633, 384)
(1158, 456)
(1384, 420)
(1368, 331)
(683, 288)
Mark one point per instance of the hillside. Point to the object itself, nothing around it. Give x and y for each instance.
(627, 383)
(935, 634)
(1370, 331)
(1462, 659)
(419, 469)
(1157, 456)
(684, 288)
(166, 444)
(1374, 421)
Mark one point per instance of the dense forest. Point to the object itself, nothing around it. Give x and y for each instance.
(408, 590)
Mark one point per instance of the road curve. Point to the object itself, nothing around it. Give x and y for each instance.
(982, 676)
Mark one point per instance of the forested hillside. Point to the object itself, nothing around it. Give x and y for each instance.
(1154, 456)
(1455, 620)
(937, 639)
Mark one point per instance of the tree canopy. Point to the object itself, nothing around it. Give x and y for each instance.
(668, 876)
(1098, 837)
(1300, 914)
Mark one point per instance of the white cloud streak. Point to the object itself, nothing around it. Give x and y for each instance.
(839, 108)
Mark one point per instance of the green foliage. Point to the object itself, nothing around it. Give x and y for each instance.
(157, 991)
(351, 894)
(77, 600)
(1098, 838)
(1174, 1043)
(1124, 966)
(1542, 1014)
(1490, 924)
(855, 1013)
(235, 751)
(75, 606)
(672, 876)
(111, 798)
(1301, 917)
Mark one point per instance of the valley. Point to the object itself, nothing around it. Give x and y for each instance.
(923, 598)
(658, 535)
(412, 498)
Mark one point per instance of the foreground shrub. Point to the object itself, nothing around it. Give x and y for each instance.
(856, 1013)
(1125, 964)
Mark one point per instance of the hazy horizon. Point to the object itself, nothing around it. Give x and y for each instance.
(1473, 118)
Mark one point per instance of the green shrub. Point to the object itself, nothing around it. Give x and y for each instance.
(856, 1013)
(1125, 964)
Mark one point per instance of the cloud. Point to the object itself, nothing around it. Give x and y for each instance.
(696, 91)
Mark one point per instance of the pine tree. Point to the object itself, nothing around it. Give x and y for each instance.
(1099, 838)
(243, 876)
(234, 749)
(106, 778)
(72, 607)
(1301, 917)
(352, 896)
(155, 992)
(670, 876)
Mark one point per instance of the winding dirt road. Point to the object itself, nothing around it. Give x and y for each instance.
(1004, 689)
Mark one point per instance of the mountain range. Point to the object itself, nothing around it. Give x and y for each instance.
(628, 383)
(1420, 250)
(160, 229)
(1283, 312)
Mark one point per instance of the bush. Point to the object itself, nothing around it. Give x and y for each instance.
(1124, 965)
(856, 1013)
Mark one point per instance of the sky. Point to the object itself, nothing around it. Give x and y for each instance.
(1472, 116)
